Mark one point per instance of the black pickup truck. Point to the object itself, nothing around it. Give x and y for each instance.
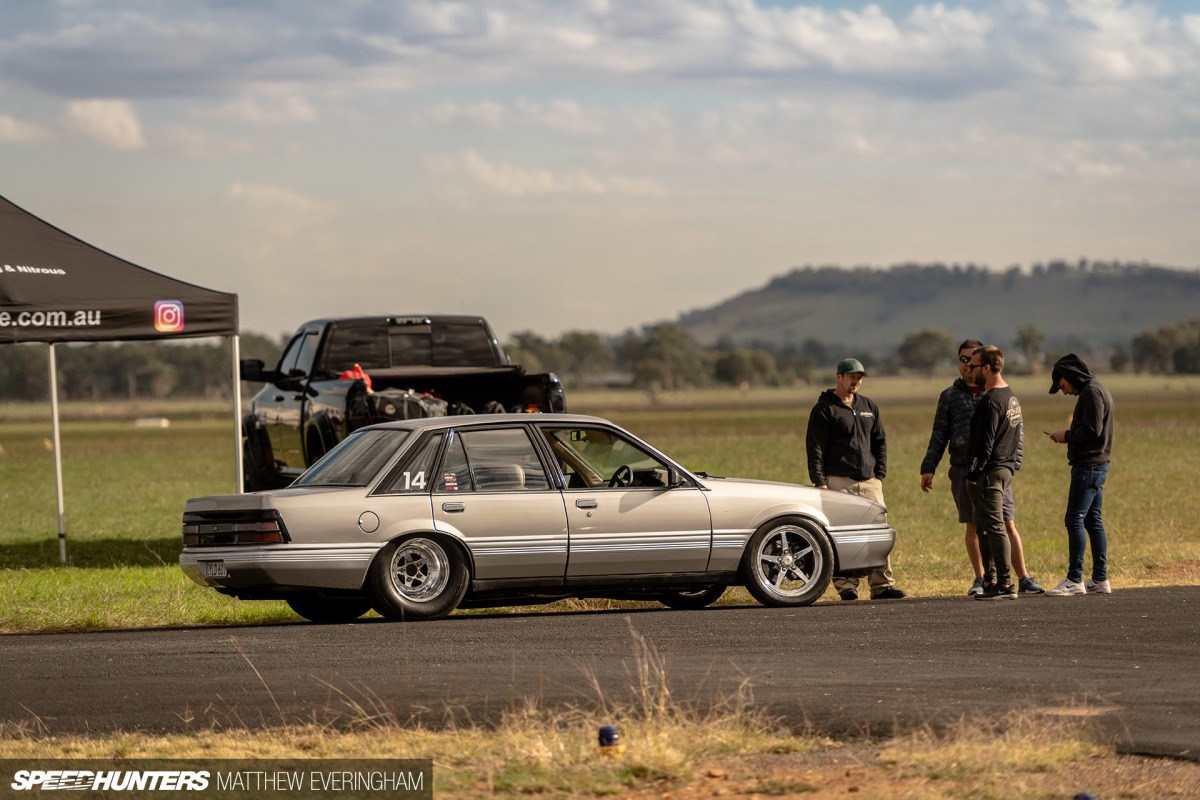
(336, 375)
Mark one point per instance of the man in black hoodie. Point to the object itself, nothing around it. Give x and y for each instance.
(1089, 443)
(847, 452)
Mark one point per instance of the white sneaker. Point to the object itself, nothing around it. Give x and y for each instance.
(1097, 587)
(1067, 588)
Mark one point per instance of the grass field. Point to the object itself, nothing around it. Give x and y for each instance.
(125, 487)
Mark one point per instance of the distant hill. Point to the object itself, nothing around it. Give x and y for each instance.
(1084, 306)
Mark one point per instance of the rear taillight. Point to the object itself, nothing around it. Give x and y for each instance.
(201, 530)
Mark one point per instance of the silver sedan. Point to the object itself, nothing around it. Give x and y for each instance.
(418, 518)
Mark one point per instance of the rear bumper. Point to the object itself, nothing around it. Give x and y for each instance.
(265, 566)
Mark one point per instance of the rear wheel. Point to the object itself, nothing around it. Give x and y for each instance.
(417, 578)
(788, 562)
(329, 609)
(258, 460)
(692, 598)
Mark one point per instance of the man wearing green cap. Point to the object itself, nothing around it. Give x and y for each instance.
(847, 452)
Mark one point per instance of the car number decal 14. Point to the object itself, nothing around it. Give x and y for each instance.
(416, 481)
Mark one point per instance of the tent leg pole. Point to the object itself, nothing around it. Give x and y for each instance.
(239, 467)
(58, 475)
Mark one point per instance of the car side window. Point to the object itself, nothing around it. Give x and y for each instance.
(415, 474)
(501, 460)
(455, 475)
(299, 355)
(596, 457)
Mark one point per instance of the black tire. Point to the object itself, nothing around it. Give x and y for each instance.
(692, 598)
(258, 468)
(421, 577)
(329, 609)
(315, 447)
(788, 562)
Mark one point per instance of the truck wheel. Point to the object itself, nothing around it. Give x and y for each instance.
(258, 468)
(417, 578)
(787, 562)
(315, 447)
(313, 606)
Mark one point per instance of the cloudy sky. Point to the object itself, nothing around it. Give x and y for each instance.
(596, 164)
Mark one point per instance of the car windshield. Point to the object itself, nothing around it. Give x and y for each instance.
(356, 461)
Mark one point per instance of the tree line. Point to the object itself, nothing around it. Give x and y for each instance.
(660, 357)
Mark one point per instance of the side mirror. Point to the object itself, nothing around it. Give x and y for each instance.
(674, 478)
(252, 370)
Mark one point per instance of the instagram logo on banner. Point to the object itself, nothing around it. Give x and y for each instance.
(168, 316)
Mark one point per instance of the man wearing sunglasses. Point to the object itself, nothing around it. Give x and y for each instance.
(997, 428)
(952, 429)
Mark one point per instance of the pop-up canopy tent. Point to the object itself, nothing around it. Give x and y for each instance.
(56, 288)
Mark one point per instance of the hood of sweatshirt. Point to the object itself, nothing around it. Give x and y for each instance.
(1074, 369)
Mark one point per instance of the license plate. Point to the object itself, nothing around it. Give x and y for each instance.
(214, 569)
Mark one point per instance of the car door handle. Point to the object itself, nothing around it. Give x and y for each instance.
(586, 504)
(278, 398)
(451, 508)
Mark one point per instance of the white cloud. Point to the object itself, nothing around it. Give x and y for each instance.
(277, 62)
(13, 130)
(112, 123)
(263, 110)
(198, 144)
(487, 115)
(276, 221)
(508, 179)
(277, 202)
(562, 115)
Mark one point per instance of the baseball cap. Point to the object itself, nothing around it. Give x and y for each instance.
(1055, 376)
(848, 365)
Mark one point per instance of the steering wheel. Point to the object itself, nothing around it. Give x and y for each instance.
(622, 477)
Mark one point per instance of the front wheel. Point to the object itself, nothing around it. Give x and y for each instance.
(328, 609)
(788, 562)
(692, 598)
(417, 578)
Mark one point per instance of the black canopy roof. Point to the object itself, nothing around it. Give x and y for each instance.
(56, 288)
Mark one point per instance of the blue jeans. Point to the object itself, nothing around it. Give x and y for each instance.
(1084, 503)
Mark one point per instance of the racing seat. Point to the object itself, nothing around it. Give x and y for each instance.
(500, 478)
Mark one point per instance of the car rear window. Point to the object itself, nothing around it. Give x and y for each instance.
(356, 461)
(383, 346)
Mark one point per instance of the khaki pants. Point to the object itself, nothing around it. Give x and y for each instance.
(880, 578)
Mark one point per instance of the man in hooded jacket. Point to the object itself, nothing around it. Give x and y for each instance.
(1089, 443)
(847, 452)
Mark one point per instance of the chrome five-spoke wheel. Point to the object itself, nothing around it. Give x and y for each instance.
(788, 562)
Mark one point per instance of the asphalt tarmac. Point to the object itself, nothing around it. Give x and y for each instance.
(1130, 661)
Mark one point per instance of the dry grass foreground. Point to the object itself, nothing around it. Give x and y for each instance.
(674, 749)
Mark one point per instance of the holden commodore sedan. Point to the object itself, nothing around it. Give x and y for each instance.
(418, 518)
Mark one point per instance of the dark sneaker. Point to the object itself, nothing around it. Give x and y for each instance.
(1029, 585)
(976, 587)
(998, 592)
(890, 593)
(848, 595)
